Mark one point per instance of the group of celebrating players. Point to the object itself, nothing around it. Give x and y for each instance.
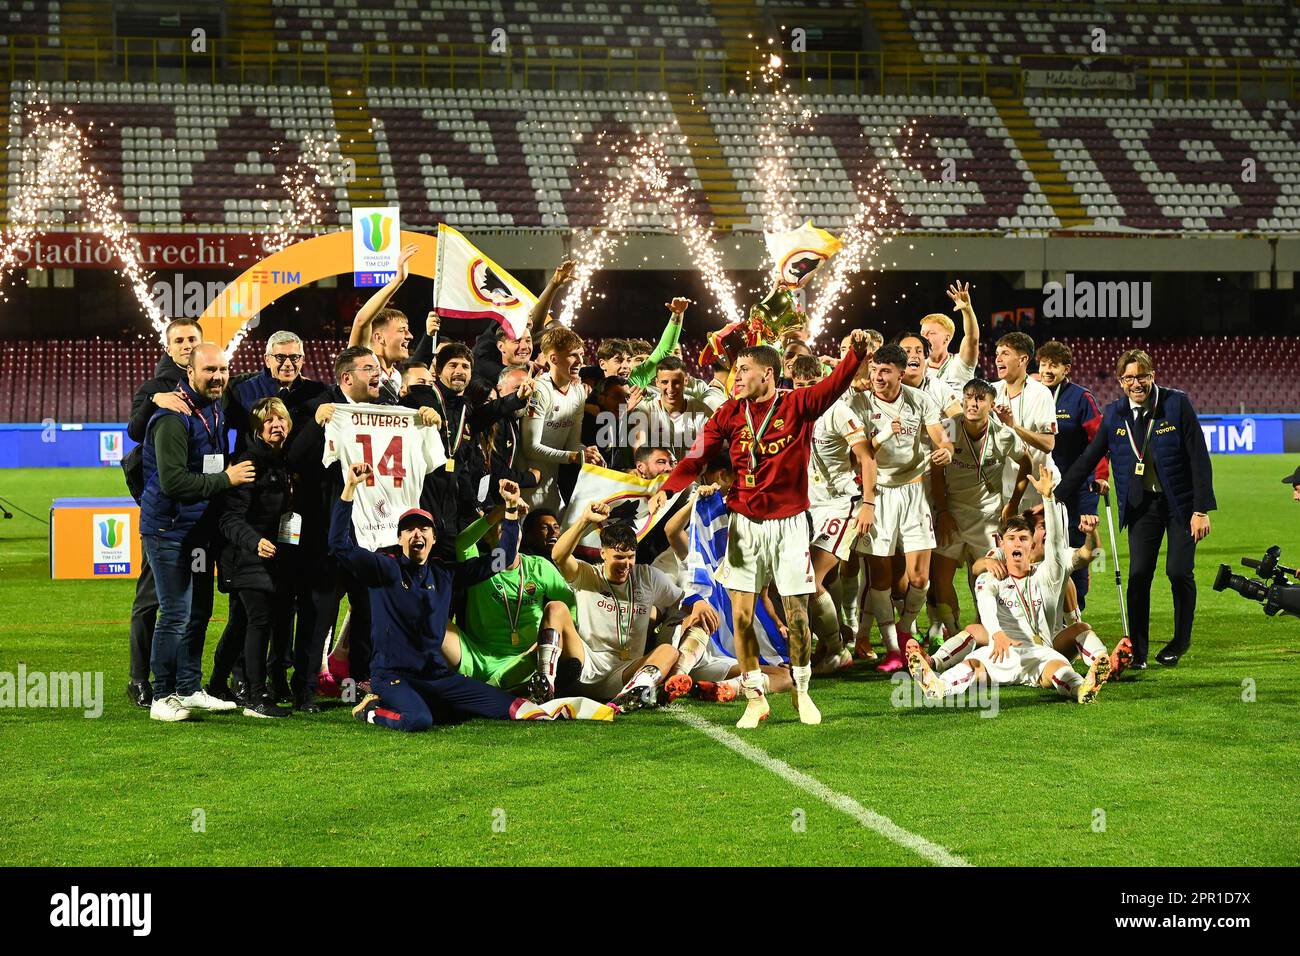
(855, 488)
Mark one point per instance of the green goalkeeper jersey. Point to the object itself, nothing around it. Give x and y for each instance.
(503, 613)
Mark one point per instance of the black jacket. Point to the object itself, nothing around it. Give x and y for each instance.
(250, 513)
(244, 391)
(318, 486)
(167, 375)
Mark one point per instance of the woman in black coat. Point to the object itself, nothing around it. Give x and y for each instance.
(260, 529)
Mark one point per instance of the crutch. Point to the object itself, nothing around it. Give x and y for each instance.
(1114, 553)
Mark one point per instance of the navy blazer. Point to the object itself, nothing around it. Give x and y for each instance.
(1177, 447)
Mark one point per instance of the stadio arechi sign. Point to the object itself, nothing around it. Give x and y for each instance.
(293, 267)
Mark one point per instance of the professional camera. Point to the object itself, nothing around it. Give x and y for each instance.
(1278, 594)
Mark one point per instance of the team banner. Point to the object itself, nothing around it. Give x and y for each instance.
(627, 497)
(376, 244)
(799, 253)
(469, 285)
(709, 524)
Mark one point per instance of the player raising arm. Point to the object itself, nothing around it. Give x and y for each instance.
(1017, 614)
(768, 433)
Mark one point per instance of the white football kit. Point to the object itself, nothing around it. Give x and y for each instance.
(614, 622)
(903, 520)
(1034, 410)
(953, 371)
(973, 480)
(400, 453)
(552, 429)
(1023, 608)
(833, 492)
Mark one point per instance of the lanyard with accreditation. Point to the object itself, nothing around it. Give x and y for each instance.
(1140, 468)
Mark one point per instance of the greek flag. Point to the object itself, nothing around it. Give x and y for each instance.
(708, 546)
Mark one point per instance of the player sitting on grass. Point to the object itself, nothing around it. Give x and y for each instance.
(511, 634)
(409, 599)
(1017, 613)
(615, 599)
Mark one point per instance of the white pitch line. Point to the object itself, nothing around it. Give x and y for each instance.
(845, 804)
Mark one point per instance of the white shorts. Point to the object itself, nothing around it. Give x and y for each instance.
(903, 522)
(602, 676)
(546, 493)
(974, 536)
(713, 665)
(834, 529)
(1020, 665)
(775, 550)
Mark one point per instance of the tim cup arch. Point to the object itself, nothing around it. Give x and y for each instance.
(308, 261)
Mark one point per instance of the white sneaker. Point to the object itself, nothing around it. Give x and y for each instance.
(834, 662)
(202, 700)
(168, 708)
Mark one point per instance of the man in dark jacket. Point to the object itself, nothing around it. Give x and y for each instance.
(1164, 486)
(410, 597)
(184, 469)
(180, 337)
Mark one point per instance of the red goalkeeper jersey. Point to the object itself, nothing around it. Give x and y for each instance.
(772, 474)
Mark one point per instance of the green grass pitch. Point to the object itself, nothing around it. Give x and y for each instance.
(1169, 768)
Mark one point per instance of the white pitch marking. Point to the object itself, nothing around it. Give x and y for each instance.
(845, 804)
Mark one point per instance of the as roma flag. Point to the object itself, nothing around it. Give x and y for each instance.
(469, 285)
(799, 253)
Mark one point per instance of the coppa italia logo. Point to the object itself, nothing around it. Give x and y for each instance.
(110, 533)
(376, 231)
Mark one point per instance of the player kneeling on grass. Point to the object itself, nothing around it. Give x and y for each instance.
(1017, 612)
(409, 599)
(614, 600)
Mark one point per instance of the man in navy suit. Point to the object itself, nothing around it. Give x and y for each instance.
(1164, 486)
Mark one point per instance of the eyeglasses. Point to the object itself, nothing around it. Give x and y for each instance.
(282, 359)
(366, 369)
(1134, 379)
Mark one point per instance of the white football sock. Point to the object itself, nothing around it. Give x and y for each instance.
(802, 674)
(957, 679)
(739, 683)
(883, 609)
(647, 675)
(913, 601)
(691, 650)
(1090, 647)
(548, 653)
(953, 651)
(825, 622)
(1067, 681)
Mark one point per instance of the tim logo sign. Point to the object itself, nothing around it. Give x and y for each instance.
(375, 244)
(1242, 435)
(112, 544)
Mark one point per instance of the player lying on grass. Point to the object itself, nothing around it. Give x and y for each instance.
(409, 598)
(615, 599)
(1017, 612)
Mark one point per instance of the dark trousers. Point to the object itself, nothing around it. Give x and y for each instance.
(1149, 521)
(360, 644)
(264, 624)
(144, 613)
(318, 611)
(412, 703)
(184, 609)
(230, 658)
(1076, 539)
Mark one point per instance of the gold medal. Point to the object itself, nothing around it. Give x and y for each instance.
(1139, 469)
(451, 464)
(625, 654)
(514, 638)
(749, 481)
